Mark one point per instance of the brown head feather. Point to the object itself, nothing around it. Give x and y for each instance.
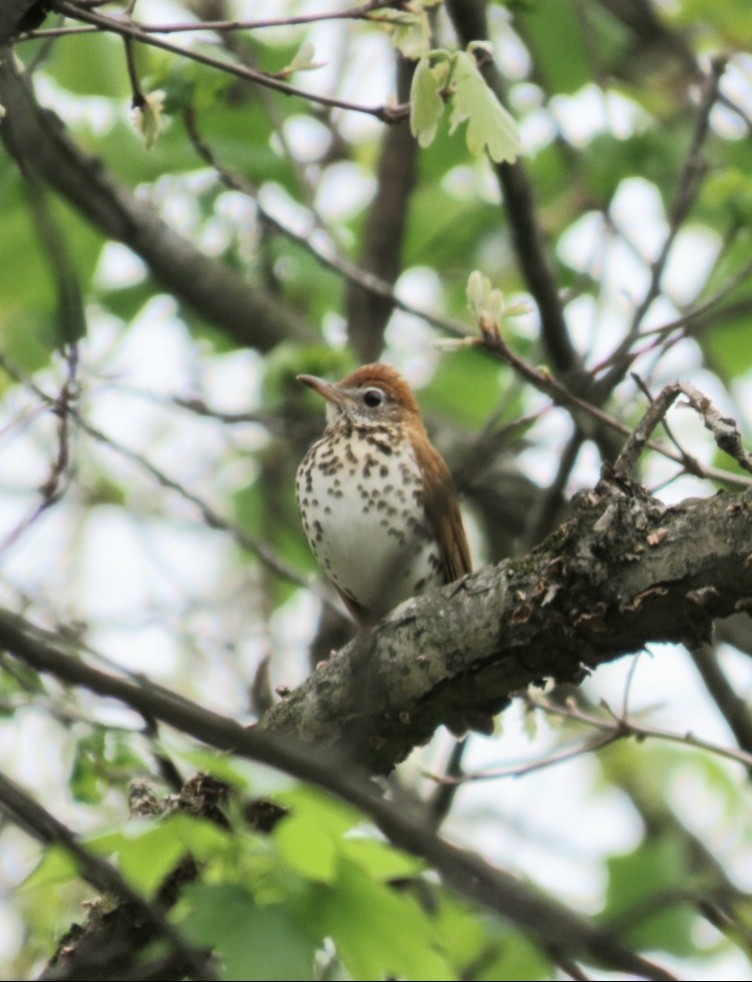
(388, 379)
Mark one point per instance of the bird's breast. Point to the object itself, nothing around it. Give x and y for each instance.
(361, 500)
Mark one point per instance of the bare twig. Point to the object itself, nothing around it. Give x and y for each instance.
(353, 13)
(620, 727)
(689, 184)
(210, 516)
(724, 429)
(492, 341)
(520, 770)
(58, 479)
(624, 466)
(385, 114)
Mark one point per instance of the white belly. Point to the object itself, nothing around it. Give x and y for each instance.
(364, 517)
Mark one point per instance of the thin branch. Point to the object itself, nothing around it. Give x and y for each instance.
(724, 429)
(521, 770)
(690, 315)
(353, 13)
(210, 516)
(21, 809)
(58, 479)
(492, 341)
(361, 12)
(625, 464)
(620, 727)
(689, 183)
(732, 707)
(326, 256)
(385, 114)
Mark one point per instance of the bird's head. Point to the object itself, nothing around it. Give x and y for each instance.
(371, 395)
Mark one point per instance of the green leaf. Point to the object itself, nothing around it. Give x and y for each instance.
(57, 866)
(379, 859)
(489, 125)
(380, 932)
(318, 806)
(640, 890)
(308, 848)
(146, 852)
(252, 941)
(410, 29)
(310, 836)
(426, 105)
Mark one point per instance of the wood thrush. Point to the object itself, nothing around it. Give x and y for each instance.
(378, 503)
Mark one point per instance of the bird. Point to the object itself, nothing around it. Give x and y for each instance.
(377, 501)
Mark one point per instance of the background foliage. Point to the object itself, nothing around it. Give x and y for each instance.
(180, 240)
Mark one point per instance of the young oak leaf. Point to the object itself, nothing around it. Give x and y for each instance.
(426, 105)
(489, 125)
(149, 117)
(410, 29)
(304, 61)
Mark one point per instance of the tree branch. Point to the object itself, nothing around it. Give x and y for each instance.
(624, 572)
(12, 14)
(129, 29)
(551, 924)
(36, 138)
(21, 808)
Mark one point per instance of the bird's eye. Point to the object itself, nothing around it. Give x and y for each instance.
(373, 397)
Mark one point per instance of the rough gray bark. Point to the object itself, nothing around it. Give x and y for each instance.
(624, 572)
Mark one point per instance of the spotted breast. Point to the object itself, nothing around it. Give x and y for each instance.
(377, 501)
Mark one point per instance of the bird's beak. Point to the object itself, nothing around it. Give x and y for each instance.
(325, 389)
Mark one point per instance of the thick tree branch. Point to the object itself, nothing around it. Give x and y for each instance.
(552, 925)
(624, 572)
(36, 138)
